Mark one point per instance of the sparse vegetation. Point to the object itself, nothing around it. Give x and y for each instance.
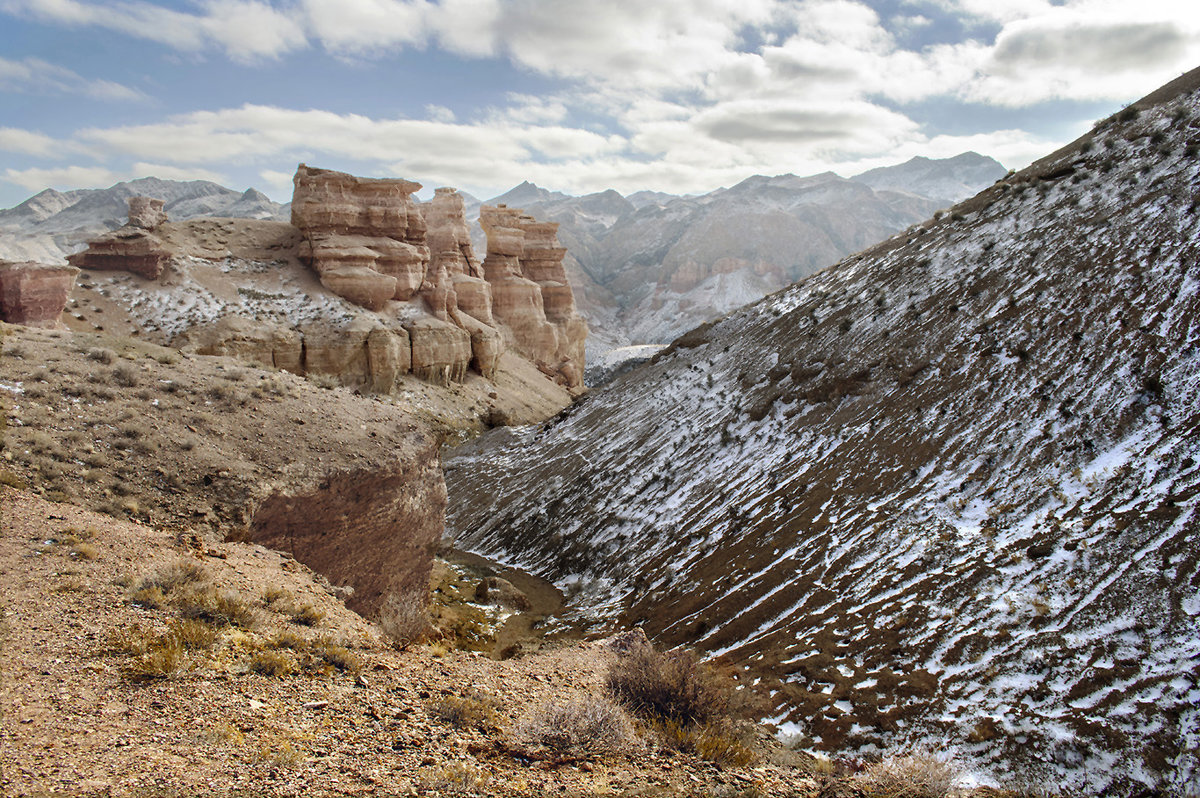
(672, 685)
(474, 711)
(912, 776)
(404, 619)
(273, 663)
(583, 727)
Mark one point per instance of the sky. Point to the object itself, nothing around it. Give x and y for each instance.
(681, 96)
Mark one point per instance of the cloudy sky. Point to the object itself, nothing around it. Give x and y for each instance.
(575, 95)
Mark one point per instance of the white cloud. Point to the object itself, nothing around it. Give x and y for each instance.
(172, 172)
(1089, 50)
(43, 77)
(67, 177)
(27, 142)
(245, 29)
(439, 113)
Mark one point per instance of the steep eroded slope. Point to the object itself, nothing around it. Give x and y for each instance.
(945, 490)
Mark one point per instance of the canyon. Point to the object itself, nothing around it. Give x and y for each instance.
(942, 494)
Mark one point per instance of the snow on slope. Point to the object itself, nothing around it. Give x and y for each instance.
(942, 494)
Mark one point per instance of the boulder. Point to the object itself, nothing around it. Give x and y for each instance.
(34, 294)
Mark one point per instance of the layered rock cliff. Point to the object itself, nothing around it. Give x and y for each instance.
(398, 291)
(34, 294)
(132, 248)
(532, 298)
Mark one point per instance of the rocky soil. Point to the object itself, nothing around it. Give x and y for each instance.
(346, 714)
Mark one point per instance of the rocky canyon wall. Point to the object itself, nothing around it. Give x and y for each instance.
(531, 296)
(420, 301)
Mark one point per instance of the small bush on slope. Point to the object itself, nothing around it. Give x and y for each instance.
(672, 685)
(583, 727)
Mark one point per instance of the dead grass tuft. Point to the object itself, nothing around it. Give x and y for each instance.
(475, 711)
(306, 615)
(584, 727)
(274, 663)
(912, 776)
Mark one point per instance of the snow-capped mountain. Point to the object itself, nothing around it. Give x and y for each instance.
(947, 180)
(944, 493)
(52, 224)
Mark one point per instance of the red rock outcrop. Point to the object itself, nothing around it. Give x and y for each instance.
(34, 294)
(133, 248)
(531, 297)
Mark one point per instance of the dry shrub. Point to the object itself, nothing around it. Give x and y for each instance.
(193, 635)
(718, 742)
(173, 576)
(583, 727)
(223, 733)
(325, 655)
(672, 685)
(912, 776)
(105, 356)
(404, 619)
(219, 607)
(289, 639)
(453, 779)
(273, 594)
(125, 375)
(475, 711)
(163, 657)
(306, 615)
(84, 551)
(274, 663)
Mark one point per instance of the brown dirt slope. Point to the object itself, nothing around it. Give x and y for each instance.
(297, 697)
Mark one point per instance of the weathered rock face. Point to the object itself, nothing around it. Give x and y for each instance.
(256, 342)
(146, 213)
(531, 297)
(34, 294)
(364, 236)
(133, 248)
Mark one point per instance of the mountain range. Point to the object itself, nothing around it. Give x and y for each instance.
(644, 267)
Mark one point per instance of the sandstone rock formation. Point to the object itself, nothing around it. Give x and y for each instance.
(133, 248)
(531, 296)
(34, 294)
(146, 213)
(365, 237)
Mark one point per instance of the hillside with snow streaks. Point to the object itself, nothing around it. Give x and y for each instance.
(943, 493)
